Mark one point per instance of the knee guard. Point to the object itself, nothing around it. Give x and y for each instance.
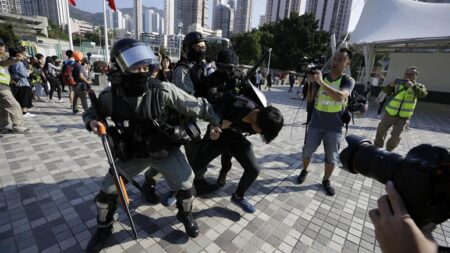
(106, 208)
(184, 200)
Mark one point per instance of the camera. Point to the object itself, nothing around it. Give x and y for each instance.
(422, 177)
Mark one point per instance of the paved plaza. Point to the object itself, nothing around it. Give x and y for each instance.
(50, 177)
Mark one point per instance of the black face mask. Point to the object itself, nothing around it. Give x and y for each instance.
(196, 56)
(135, 84)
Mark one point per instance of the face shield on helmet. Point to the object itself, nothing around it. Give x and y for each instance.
(133, 58)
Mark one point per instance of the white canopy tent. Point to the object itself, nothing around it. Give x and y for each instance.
(399, 25)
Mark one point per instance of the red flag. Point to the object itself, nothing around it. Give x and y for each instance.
(112, 4)
(72, 2)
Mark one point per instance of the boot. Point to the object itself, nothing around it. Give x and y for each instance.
(222, 179)
(99, 239)
(106, 208)
(149, 194)
(184, 205)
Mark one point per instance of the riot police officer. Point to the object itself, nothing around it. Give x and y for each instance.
(146, 131)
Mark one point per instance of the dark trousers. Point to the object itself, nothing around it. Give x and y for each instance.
(55, 84)
(234, 144)
(309, 109)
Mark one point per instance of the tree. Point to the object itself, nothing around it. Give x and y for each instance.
(291, 40)
(8, 35)
(55, 32)
(247, 47)
(213, 47)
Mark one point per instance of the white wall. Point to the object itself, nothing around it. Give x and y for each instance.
(434, 69)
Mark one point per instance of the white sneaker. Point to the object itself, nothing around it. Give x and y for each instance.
(61, 100)
(29, 115)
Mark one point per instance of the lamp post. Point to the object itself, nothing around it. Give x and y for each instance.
(180, 26)
(268, 62)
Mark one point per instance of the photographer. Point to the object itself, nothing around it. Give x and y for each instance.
(395, 230)
(400, 109)
(326, 121)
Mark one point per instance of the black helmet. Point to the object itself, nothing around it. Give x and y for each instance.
(227, 57)
(128, 53)
(192, 38)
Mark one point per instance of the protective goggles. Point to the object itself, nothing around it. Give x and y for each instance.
(136, 56)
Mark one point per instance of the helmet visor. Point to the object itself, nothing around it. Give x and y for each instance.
(136, 56)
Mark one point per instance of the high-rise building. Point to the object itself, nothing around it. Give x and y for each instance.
(195, 12)
(10, 6)
(281, 9)
(231, 3)
(333, 16)
(262, 20)
(127, 22)
(137, 18)
(169, 17)
(55, 10)
(243, 16)
(147, 25)
(156, 23)
(223, 20)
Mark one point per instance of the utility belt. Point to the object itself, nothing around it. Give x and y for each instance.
(140, 142)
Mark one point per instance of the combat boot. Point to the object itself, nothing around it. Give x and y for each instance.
(149, 194)
(184, 205)
(106, 208)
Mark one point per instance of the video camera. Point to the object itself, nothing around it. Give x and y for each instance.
(422, 177)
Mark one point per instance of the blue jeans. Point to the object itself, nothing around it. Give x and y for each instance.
(331, 142)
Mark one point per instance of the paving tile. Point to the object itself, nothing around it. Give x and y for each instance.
(46, 198)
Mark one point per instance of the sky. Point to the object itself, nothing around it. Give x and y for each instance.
(259, 7)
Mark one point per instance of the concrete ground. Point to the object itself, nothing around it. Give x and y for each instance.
(49, 178)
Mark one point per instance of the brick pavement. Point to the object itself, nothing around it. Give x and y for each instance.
(49, 178)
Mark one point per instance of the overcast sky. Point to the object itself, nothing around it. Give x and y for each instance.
(259, 7)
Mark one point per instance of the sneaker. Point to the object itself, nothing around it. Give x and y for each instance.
(328, 188)
(170, 199)
(50, 100)
(301, 178)
(61, 100)
(149, 194)
(28, 114)
(243, 203)
(5, 130)
(202, 186)
(75, 112)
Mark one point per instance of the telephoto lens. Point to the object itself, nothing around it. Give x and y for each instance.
(422, 177)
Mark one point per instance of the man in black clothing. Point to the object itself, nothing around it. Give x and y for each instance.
(240, 115)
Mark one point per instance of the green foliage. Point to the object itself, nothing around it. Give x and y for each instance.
(163, 51)
(55, 32)
(291, 40)
(8, 35)
(213, 47)
(247, 46)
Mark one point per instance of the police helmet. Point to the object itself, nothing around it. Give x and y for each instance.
(192, 38)
(227, 57)
(129, 53)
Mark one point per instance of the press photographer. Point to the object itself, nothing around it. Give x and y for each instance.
(422, 180)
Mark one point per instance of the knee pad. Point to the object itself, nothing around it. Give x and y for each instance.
(185, 199)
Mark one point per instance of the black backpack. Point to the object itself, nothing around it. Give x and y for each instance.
(356, 103)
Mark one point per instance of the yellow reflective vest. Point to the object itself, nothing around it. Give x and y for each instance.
(403, 104)
(5, 78)
(325, 103)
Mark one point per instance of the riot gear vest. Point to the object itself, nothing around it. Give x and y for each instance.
(142, 129)
(196, 73)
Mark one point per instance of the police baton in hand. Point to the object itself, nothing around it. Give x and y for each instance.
(120, 186)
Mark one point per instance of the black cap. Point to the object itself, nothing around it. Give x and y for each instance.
(192, 38)
(227, 57)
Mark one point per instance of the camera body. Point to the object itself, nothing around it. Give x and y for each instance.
(422, 177)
